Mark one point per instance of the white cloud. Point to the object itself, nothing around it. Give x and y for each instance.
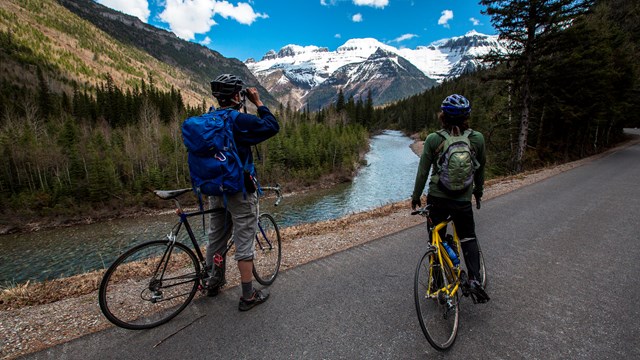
(206, 41)
(242, 13)
(137, 8)
(444, 19)
(374, 3)
(189, 17)
(337, 36)
(404, 37)
(357, 17)
(475, 21)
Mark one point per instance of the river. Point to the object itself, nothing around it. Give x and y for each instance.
(388, 177)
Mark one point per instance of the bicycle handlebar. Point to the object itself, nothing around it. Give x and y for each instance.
(422, 211)
(275, 189)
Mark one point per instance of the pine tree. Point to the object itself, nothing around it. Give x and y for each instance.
(340, 102)
(525, 24)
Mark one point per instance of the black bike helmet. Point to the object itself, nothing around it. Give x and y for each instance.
(226, 85)
(456, 106)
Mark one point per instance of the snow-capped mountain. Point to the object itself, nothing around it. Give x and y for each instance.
(312, 75)
(385, 74)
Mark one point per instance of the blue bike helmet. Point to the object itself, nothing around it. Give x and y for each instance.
(456, 106)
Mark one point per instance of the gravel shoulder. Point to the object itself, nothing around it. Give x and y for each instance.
(34, 328)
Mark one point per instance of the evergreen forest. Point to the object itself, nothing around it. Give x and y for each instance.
(566, 91)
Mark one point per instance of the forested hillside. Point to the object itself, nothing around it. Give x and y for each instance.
(89, 125)
(198, 62)
(563, 93)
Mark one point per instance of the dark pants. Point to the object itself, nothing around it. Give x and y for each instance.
(462, 214)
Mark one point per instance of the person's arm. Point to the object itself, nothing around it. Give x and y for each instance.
(478, 176)
(251, 129)
(423, 173)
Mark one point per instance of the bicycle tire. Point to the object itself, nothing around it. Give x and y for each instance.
(438, 320)
(133, 296)
(268, 251)
(483, 269)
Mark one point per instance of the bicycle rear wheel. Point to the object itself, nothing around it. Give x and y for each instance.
(149, 284)
(268, 253)
(483, 269)
(438, 313)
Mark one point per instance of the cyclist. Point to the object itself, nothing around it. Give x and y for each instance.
(454, 116)
(240, 217)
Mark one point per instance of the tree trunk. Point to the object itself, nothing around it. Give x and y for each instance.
(524, 127)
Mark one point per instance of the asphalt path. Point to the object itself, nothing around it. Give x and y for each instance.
(562, 258)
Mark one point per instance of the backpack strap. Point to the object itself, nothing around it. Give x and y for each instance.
(476, 163)
(445, 135)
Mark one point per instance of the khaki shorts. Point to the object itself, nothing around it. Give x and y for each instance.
(240, 219)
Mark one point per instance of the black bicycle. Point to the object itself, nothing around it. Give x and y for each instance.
(153, 282)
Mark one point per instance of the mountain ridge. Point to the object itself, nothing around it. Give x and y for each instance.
(296, 72)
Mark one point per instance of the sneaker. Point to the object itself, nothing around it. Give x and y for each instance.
(476, 291)
(258, 298)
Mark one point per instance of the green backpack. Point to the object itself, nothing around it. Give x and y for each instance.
(456, 164)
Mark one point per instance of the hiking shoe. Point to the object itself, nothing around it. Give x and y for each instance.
(258, 298)
(476, 291)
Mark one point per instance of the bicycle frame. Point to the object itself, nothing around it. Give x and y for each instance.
(444, 259)
(183, 220)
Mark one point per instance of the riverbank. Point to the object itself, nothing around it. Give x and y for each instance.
(36, 316)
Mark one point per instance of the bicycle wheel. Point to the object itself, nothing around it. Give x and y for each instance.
(149, 284)
(483, 269)
(268, 254)
(438, 314)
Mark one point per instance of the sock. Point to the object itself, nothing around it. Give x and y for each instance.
(247, 290)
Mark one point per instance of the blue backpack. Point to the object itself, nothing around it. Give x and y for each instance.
(214, 164)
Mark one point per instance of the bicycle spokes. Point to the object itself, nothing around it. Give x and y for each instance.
(149, 284)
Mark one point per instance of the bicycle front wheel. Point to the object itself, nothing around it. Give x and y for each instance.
(149, 284)
(438, 312)
(268, 253)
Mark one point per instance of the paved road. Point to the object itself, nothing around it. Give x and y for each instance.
(562, 257)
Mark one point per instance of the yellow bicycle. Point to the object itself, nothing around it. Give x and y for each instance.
(439, 283)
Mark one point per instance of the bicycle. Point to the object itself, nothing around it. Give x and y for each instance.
(153, 282)
(438, 284)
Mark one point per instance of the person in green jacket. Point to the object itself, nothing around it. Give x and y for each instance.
(454, 115)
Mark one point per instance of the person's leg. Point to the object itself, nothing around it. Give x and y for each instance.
(465, 227)
(243, 209)
(438, 212)
(220, 228)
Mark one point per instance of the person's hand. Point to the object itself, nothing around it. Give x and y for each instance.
(253, 96)
(478, 197)
(415, 203)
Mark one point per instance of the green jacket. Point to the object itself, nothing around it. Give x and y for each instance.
(429, 158)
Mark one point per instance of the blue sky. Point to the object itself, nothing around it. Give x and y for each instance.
(250, 28)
